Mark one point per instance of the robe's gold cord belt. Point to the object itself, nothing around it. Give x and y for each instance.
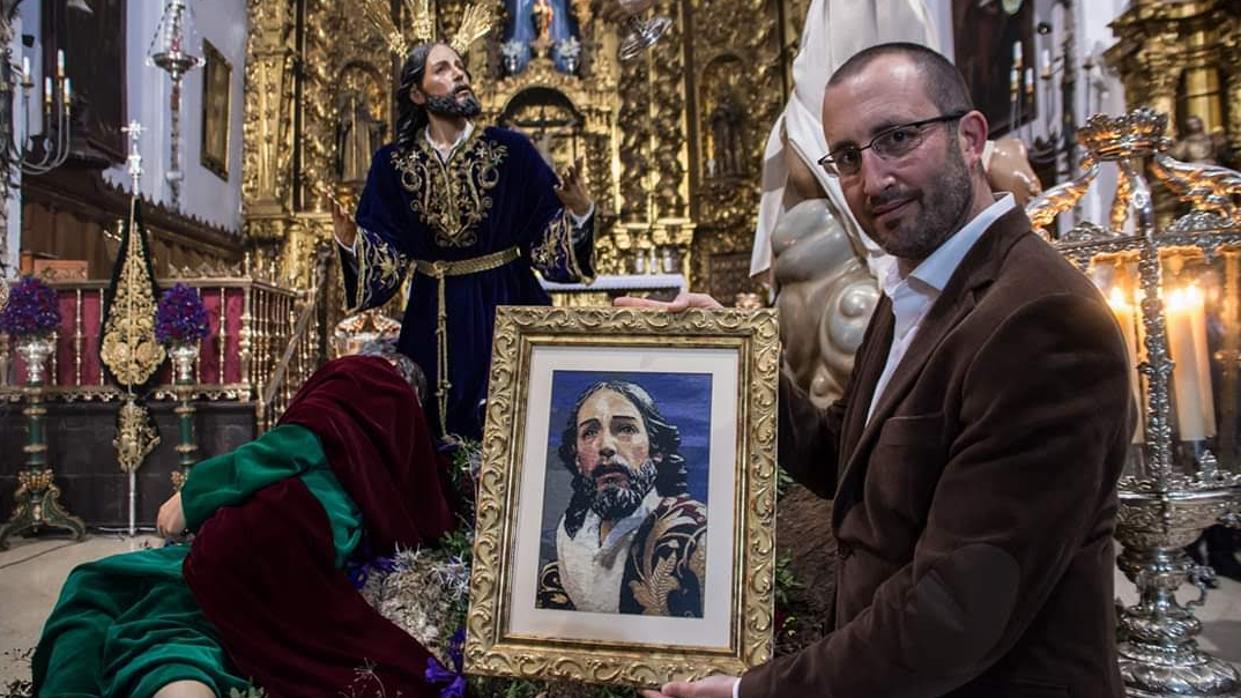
(439, 270)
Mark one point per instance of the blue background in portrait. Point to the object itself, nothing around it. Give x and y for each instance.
(684, 399)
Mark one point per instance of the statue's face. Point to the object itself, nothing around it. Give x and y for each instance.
(1193, 125)
(612, 441)
(614, 454)
(445, 77)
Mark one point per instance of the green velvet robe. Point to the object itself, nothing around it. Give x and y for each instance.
(128, 625)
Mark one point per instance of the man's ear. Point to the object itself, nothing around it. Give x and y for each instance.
(972, 133)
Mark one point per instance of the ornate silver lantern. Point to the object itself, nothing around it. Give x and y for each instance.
(1177, 297)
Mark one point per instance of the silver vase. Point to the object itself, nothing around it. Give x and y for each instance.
(34, 351)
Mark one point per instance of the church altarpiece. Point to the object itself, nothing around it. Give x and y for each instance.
(671, 141)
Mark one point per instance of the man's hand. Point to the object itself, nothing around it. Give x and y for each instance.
(617, 10)
(710, 687)
(170, 523)
(571, 190)
(683, 301)
(343, 227)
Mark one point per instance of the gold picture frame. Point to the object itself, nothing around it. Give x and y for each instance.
(217, 106)
(541, 359)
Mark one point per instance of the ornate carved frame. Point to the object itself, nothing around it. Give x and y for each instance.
(489, 648)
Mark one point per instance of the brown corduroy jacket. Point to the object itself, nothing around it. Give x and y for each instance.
(974, 511)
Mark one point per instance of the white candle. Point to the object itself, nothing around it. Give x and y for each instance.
(47, 94)
(1126, 317)
(1029, 79)
(1202, 352)
(25, 68)
(68, 93)
(60, 63)
(1188, 354)
(1017, 53)
(1047, 60)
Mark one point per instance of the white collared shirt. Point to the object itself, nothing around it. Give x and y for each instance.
(591, 570)
(912, 296)
(446, 153)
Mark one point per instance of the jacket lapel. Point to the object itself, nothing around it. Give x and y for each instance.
(872, 357)
(976, 271)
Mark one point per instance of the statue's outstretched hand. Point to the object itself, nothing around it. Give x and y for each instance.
(683, 301)
(571, 190)
(343, 227)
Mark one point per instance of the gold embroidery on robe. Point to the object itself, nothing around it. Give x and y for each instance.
(672, 549)
(556, 251)
(380, 267)
(451, 198)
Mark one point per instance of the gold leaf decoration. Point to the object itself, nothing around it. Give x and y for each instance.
(135, 436)
(475, 24)
(128, 348)
(651, 590)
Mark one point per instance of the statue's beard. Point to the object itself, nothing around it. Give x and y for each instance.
(613, 502)
(449, 105)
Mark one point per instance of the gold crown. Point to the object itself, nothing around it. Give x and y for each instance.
(1135, 134)
(475, 23)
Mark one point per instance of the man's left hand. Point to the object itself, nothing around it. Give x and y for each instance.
(710, 687)
(572, 190)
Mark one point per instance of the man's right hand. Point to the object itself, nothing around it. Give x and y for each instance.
(343, 227)
(683, 301)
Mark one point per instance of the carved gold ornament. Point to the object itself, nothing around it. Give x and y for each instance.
(129, 349)
(475, 24)
(135, 437)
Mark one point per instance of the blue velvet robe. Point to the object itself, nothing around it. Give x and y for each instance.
(495, 192)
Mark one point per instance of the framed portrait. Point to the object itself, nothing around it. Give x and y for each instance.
(217, 96)
(626, 499)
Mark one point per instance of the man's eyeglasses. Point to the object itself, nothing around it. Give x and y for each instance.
(888, 144)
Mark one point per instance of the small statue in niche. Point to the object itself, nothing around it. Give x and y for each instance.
(544, 14)
(727, 147)
(358, 136)
(1197, 146)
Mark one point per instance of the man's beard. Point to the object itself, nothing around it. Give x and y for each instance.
(614, 502)
(450, 106)
(943, 211)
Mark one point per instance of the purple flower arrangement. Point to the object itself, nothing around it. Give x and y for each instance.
(451, 679)
(32, 310)
(180, 317)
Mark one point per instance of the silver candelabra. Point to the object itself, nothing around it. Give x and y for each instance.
(1176, 294)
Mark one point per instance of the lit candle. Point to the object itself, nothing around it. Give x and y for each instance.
(1202, 352)
(47, 95)
(1126, 317)
(60, 63)
(1191, 380)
